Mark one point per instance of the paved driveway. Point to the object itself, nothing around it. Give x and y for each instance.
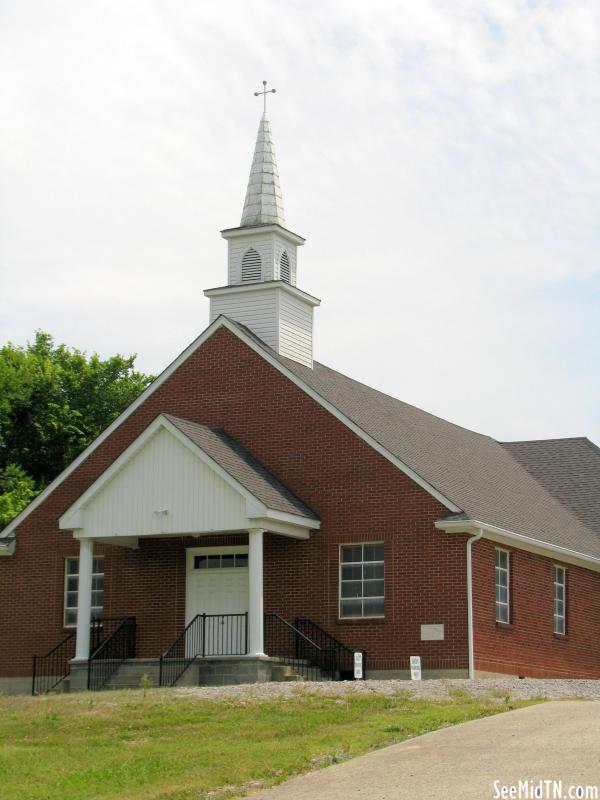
(558, 740)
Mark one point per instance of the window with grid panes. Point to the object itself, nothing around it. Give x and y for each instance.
(361, 580)
(560, 601)
(72, 590)
(502, 586)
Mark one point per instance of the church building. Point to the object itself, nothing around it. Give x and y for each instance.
(255, 515)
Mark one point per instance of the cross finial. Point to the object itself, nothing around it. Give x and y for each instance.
(264, 93)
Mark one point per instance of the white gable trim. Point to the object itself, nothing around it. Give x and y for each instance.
(222, 322)
(74, 517)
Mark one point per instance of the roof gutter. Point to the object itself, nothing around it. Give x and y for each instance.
(502, 534)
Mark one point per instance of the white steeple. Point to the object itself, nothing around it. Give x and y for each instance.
(261, 290)
(264, 203)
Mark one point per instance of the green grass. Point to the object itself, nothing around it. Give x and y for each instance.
(169, 746)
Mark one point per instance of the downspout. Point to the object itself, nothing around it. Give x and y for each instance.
(470, 601)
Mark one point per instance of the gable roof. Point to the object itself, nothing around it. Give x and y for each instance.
(473, 471)
(267, 500)
(243, 466)
(466, 471)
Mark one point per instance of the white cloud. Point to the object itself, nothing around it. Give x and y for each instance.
(441, 160)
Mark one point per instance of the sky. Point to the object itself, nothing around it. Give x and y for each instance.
(441, 159)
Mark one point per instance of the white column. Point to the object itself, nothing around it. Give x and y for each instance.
(256, 646)
(84, 599)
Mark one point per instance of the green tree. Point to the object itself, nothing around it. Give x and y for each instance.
(17, 489)
(54, 401)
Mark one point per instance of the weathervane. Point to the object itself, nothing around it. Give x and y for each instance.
(264, 93)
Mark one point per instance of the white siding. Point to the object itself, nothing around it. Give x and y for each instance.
(164, 474)
(263, 246)
(269, 246)
(280, 244)
(282, 321)
(295, 329)
(255, 309)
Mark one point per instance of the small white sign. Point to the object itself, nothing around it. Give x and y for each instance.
(415, 668)
(358, 666)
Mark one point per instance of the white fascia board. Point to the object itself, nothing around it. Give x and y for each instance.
(294, 519)
(501, 535)
(223, 322)
(281, 528)
(258, 230)
(130, 542)
(244, 288)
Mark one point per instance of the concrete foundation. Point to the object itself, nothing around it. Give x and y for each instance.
(15, 685)
(404, 674)
(79, 676)
(228, 671)
(221, 672)
(203, 672)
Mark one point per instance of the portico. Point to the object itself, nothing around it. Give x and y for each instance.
(180, 478)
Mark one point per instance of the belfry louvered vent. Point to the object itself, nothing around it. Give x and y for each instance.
(251, 266)
(284, 267)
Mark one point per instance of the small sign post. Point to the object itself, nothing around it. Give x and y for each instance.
(415, 668)
(358, 666)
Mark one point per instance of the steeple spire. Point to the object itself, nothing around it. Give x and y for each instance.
(264, 204)
(262, 261)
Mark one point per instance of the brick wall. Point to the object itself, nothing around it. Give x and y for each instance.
(358, 495)
(528, 645)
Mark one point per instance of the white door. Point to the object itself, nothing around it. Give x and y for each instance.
(217, 585)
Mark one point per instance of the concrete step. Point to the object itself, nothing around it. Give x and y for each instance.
(283, 672)
(292, 666)
(126, 685)
(130, 673)
(140, 665)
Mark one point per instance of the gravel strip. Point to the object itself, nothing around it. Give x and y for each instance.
(517, 689)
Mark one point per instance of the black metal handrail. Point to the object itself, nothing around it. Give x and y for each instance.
(111, 652)
(286, 642)
(206, 635)
(101, 629)
(51, 669)
(174, 661)
(342, 656)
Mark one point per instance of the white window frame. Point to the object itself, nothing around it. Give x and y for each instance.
(66, 608)
(222, 550)
(341, 563)
(561, 619)
(499, 603)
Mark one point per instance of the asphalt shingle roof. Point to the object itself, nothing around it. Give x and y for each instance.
(481, 476)
(242, 466)
(569, 469)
